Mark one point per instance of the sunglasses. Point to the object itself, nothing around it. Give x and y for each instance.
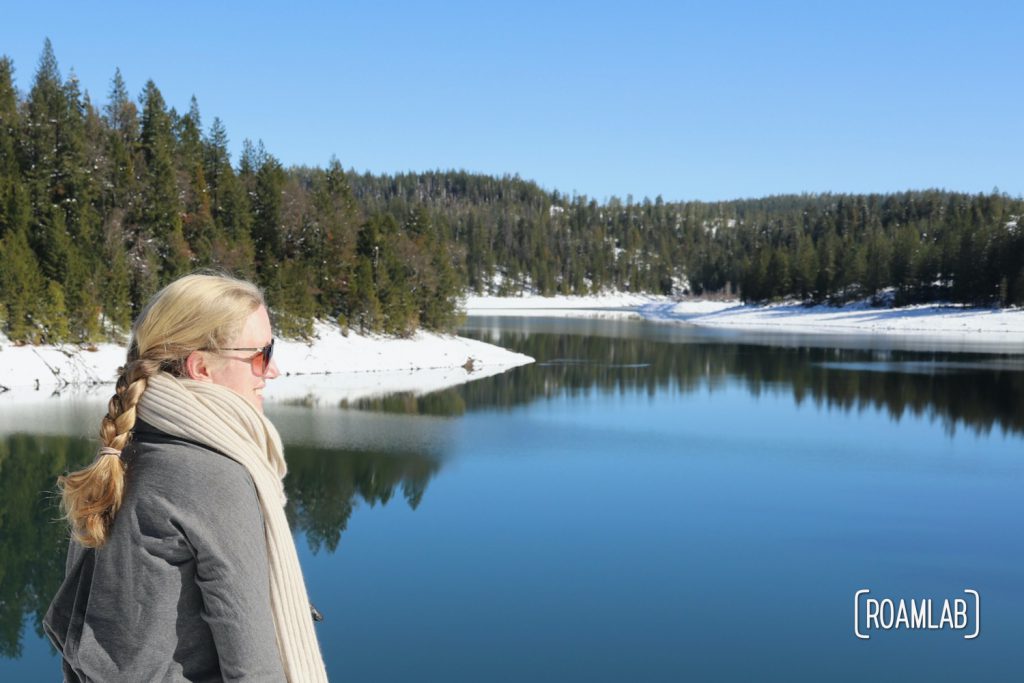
(260, 361)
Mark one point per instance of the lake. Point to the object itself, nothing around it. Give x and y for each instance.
(646, 502)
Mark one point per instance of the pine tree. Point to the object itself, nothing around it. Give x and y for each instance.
(229, 205)
(877, 260)
(803, 267)
(74, 182)
(197, 224)
(78, 162)
(291, 299)
(115, 282)
(364, 306)
(852, 268)
(904, 253)
(266, 179)
(53, 317)
(160, 217)
(22, 288)
(825, 276)
(779, 284)
(337, 219)
(188, 131)
(397, 297)
(216, 159)
(122, 120)
(45, 108)
(15, 211)
(753, 286)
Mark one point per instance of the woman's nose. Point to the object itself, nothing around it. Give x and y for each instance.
(273, 371)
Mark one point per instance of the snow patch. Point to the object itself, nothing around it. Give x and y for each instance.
(331, 367)
(606, 305)
(1002, 325)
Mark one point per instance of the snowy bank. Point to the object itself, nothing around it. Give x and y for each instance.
(76, 410)
(948, 322)
(330, 368)
(940, 320)
(613, 305)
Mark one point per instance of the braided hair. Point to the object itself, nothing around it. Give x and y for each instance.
(199, 311)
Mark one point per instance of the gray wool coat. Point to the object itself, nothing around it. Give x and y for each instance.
(180, 591)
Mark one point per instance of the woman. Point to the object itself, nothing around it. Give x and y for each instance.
(182, 566)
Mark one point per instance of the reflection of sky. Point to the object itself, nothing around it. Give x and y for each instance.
(38, 659)
(727, 421)
(611, 537)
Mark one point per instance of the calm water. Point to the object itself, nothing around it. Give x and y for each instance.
(646, 502)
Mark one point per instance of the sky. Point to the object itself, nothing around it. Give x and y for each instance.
(687, 100)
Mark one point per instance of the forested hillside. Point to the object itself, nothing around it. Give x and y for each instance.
(924, 245)
(101, 204)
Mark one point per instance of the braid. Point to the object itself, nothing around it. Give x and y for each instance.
(117, 425)
(92, 496)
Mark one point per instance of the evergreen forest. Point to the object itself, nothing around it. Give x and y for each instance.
(101, 204)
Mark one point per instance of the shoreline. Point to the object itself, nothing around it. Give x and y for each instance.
(941, 320)
(365, 366)
(1003, 325)
(618, 305)
(928, 327)
(331, 367)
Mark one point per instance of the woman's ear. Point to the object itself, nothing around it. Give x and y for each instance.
(196, 367)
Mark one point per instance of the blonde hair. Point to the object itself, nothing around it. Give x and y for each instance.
(199, 311)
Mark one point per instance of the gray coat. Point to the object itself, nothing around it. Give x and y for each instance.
(180, 591)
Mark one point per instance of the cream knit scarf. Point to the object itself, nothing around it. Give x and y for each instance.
(218, 417)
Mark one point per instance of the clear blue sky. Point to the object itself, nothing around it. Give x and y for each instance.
(690, 100)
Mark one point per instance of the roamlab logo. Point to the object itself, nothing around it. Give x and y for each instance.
(960, 614)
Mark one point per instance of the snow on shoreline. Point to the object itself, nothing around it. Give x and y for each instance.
(616, 305)
(331, 369)
(334, 368)
(983, 325)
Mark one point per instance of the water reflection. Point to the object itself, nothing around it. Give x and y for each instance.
(323, 488)
(445, 403)
(323, 485)
(976, 391)
(32, 537)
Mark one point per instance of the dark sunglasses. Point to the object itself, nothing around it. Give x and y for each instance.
(260, 361)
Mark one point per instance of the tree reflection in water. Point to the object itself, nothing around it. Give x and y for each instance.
(976, 391)
(322, 487)
(33, 538)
